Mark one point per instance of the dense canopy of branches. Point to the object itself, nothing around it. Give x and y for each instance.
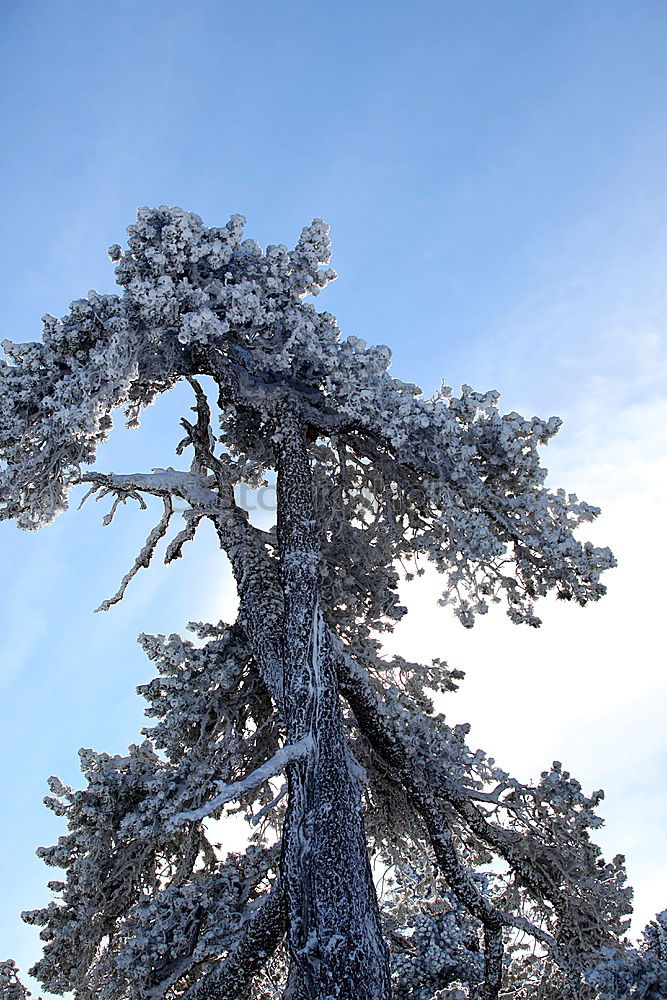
(492, 887)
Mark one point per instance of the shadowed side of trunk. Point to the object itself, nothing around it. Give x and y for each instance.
(334, 930)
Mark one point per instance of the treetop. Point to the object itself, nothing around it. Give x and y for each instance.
(448, 477)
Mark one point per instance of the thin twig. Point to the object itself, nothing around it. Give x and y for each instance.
(144, 558)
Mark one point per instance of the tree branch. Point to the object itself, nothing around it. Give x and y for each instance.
(260, 936)
(388, 742)
(254, 820)
(273, 766)
(423, 794)
(143, 560)
(194, 489)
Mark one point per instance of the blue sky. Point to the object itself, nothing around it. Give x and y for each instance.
(494, 175)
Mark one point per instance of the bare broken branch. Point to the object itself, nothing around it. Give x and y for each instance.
(143, 560)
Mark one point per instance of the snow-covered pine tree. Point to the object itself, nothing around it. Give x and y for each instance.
(369, 473)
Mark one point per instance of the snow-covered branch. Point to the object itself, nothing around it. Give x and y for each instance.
(259, 816)
(274, 766)
(143, 560)
(425, 785)
(260, 935)
(194, 489)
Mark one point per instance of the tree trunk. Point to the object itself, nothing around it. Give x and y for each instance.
(334, 929)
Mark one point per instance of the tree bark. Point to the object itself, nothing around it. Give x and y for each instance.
(333, 919)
